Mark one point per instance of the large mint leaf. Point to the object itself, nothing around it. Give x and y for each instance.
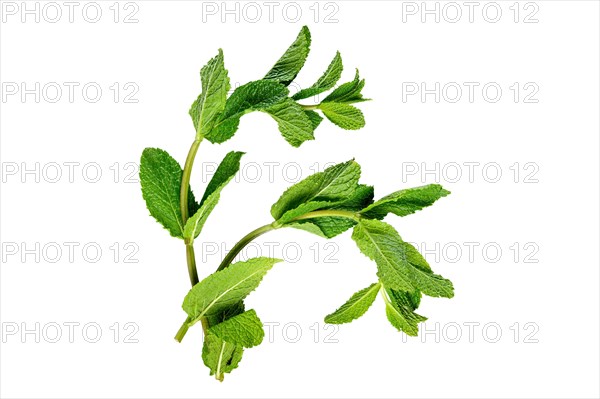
(343, 115)
(405, 202)
(291, 62)
(399, 264)
(349, 92)
(211, 102)
(160, 178)
(326, 81)
(356, 306)
(244, 329)
(220, 356)
(400, 310)
(253, 96)
(225, 288)
(331, 226)
(227, 169)
(333, 184)
(294, 124)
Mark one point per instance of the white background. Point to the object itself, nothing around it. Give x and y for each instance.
(551, 205)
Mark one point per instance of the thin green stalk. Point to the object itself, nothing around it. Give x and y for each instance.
(237, 248)
(184, 208)
(190, 256)
(243, 242)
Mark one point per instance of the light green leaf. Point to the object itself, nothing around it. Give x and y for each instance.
(333, 184)
(244, 329)
(291, 62)
(223, 175)
(405, 202)
(220, 356)
(211, 102)
(326, 81)
(295, 126)
(253, 96)
(345, 116)
(356, 306)
(160, 178)
(225, 288)
(400, 310)
(399, 264)
(349, 92)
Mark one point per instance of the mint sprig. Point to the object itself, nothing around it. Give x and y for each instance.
(327, 204)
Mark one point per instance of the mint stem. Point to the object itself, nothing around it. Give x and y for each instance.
(243, 242)
(190, 256)
(184, 207)
(237, 248)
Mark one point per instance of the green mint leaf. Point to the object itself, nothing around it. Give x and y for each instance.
(295, 126)
(331, 226)
(211, 102)
(333, 184)
(400, 309)
(225, 288)
(227, 169)
(314, 117)
(226, 314)
(344, 115)
(399, 264)
(160, 178)
(356, 306)
(220, 356)
(349, 92)
(326, 81)
(291, 62)
(244, 329)
(253, 96)
(405, 202)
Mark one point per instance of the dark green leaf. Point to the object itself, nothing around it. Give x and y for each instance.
(210, 103)
(399, 264)
(295, 126)
(225, 172)
(405, 202)
(326, 81)
(320, 189)
(291, 62)
(349, 92)
(160, 177)
(400, 309)
(253, 96)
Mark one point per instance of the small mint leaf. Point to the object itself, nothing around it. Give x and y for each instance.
(344, 115)
(356, 306)
(244, 329)
(326, 81)
(405, 202)
(211, 102)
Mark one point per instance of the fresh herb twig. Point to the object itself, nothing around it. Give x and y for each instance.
(327, 203)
